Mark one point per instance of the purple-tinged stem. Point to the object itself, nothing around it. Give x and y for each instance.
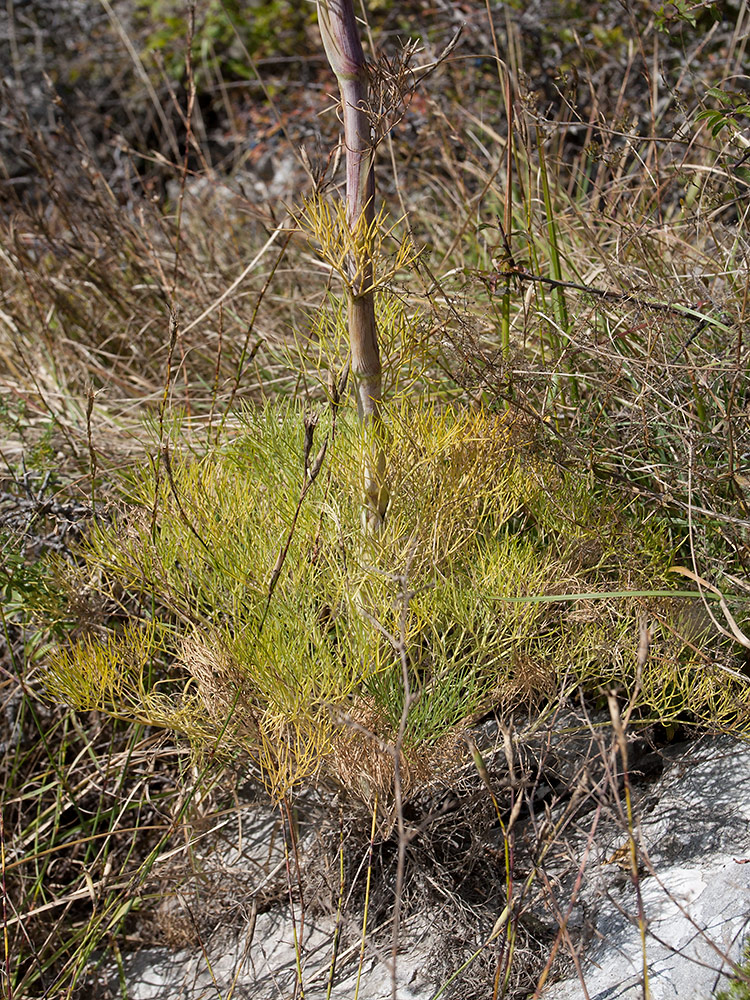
(338, 28)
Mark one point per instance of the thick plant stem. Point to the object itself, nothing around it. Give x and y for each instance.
(338, 28)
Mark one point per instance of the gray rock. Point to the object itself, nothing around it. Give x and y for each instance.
(261, 966)
(693, 881)
(255, 956)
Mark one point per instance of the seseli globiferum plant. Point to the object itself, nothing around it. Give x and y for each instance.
(262, 625)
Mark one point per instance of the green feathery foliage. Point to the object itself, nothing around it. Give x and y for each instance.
(260, 618)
